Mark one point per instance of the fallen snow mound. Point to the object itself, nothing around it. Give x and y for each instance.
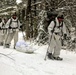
(22, 46)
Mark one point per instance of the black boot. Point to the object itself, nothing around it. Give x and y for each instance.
(7, 45)
(1, 44)
(58, 58)
(50, 56)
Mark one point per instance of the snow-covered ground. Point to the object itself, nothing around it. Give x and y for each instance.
(13, 62)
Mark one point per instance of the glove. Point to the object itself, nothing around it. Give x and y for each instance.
(65, 36)
(21, 26)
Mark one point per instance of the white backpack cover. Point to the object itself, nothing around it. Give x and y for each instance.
(24, 47)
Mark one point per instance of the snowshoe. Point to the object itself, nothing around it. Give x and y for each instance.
(14, 47)
(7, 45)
(58, 58)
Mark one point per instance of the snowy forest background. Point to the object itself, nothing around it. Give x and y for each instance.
(32, 15)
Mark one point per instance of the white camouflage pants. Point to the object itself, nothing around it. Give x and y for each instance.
(54, 45)
(10, 36)
(2, 35)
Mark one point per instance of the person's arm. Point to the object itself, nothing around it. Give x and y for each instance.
(7, 24)
(64, 31)
(64, 28)
(50, 27)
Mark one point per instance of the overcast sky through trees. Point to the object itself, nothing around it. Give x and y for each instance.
(18, 1)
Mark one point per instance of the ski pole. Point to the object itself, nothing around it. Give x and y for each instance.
(42, 39)
(23, 34)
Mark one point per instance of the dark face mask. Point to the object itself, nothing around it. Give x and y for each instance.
(60, 19)
(14, 17)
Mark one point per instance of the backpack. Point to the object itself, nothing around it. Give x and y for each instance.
(50, 17)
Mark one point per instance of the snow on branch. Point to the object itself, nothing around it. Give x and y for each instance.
(36, 3)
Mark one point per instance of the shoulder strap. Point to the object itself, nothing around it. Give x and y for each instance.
(60, 25)
(10, 22)
(54, 25)
(3, 24)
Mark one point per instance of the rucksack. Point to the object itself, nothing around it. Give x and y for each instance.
(50, 17)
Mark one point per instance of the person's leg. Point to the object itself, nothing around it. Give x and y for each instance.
(1, 40)
(15, 38)
(1, 37)
(8, 39)
(51, 47)
(57, 48)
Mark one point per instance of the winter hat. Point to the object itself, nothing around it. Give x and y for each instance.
(51, 15)
(15, 14)
(61, 16)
